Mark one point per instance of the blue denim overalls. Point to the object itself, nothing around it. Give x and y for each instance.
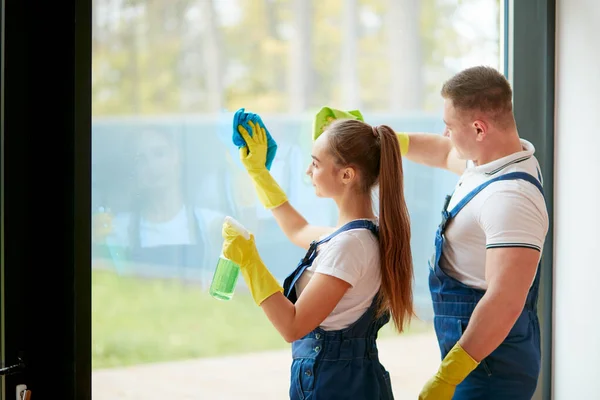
(509, 372)
(342, 364)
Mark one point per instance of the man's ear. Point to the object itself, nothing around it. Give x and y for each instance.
(481, 129)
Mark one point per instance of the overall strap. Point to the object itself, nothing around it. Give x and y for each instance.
(311, 254)
(357, 224)
(532, 295)
(505, 177)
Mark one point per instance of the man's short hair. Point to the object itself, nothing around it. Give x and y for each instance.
(479, 89)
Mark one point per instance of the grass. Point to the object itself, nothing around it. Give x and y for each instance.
(138, 321)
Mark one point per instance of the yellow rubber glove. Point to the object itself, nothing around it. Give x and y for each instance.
(404, 140)
(456, 366)
(254, 156)
(243, 252)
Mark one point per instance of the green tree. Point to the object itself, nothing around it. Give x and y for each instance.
(162, 56)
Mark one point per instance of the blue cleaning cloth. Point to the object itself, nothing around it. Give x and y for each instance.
(242, 118)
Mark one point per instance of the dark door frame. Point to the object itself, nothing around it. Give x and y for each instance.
(46, 126)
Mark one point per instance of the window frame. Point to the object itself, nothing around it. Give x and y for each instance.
(528, 61)
(531, 70)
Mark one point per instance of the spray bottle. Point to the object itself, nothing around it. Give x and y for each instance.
(227, 272)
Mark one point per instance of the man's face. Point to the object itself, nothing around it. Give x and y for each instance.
(461, 131)
(157, 162)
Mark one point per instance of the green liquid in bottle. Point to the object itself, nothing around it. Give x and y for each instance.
(224, 279)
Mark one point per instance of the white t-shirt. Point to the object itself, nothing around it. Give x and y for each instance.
(505, 214)
(352, 256)
(175, 231)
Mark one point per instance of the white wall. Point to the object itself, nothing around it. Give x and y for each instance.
(577, 202)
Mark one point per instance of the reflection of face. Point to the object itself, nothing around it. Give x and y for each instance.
(157, 161)
(460, 131)
(324, 174)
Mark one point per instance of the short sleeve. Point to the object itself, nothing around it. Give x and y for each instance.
(345, 258)
(514, 218)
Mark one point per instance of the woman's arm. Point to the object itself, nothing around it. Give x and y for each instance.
(336, 270)
(293, 224)
(296, 228)
(317, 301)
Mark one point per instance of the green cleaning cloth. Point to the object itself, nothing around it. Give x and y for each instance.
(326, 115)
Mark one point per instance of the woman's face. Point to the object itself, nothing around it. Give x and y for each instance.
(157, 162)
(325, 175)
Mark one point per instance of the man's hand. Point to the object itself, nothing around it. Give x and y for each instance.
(327, 115)
(456, 366)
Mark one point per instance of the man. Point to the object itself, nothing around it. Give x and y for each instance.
(484, 275)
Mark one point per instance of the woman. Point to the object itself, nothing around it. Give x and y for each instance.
(353, 277)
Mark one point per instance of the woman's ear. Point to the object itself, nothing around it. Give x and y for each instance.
(348, 175)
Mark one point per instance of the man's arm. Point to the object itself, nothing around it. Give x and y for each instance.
(509, 273)
(515, 222)
(515, 226)
(434, 150)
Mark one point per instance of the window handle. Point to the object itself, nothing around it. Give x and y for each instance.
(13, 369)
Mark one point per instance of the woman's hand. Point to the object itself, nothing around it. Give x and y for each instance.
(254, 156)
(317, 301)
(244, 253)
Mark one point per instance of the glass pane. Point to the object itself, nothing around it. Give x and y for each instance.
(167, 77)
